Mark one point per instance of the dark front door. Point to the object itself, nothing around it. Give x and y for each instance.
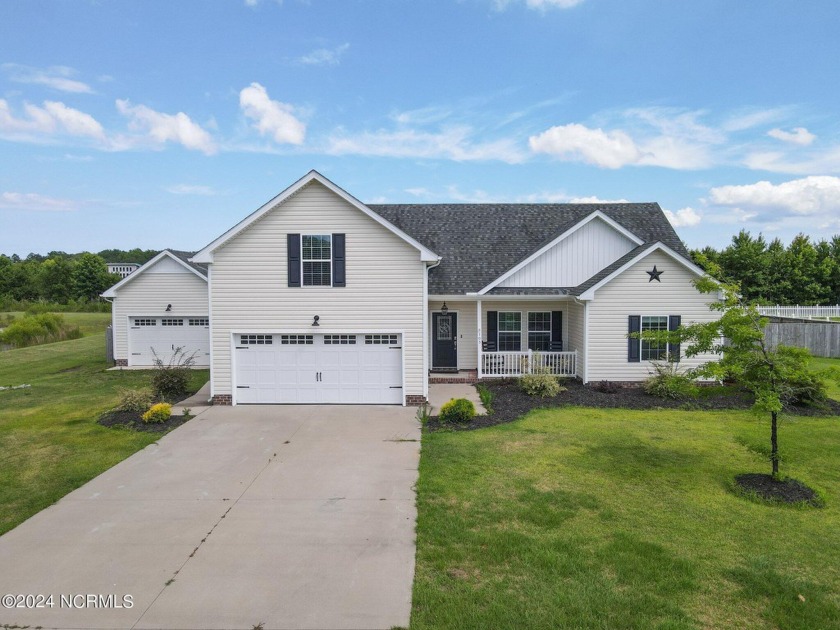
(445, 341)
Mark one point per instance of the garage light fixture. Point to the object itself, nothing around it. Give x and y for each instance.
(168, 307)
(315, 321)
(444, 309)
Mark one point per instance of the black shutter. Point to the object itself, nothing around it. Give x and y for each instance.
(557, 331)
(674, 348)
(492, 330)
(634, 344)
(339, 277)
(293, 256)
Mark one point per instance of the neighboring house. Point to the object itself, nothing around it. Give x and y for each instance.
(318, 298)
(160, 307)
(123, 269)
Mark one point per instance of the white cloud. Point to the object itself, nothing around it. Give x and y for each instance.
(271, 118)
(53, 117)
(33, 202)
(654, 136)
(162, 128)
(540, 5)
(612, 149)
(686, 217)
(755, 118)
(799, 135)
(324, 56)
(594, 199)
(454, 143)
(55, 77)
(815, 195)
(191, 189)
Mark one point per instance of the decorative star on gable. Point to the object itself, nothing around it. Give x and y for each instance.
(654, 275)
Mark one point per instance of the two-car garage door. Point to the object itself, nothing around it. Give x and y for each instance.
(304, 368)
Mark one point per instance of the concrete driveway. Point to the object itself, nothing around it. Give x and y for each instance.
(293, 517)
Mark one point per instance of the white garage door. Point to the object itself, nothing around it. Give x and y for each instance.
(164, 335)
(323, 369)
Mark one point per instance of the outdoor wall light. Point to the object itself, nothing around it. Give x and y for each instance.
(168, 307)
(315, 321)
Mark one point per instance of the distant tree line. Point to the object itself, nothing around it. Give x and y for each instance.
(804, 272)
(62, 278)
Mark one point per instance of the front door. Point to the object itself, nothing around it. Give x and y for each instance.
(445, 341)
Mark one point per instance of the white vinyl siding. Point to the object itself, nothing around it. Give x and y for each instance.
(576, 258)
(630, 293)
(574, 327)
(149, 293)
(384, 292)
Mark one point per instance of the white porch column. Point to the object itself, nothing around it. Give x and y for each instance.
(478, 341)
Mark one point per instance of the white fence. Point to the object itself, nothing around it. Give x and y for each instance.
(802, 312)
(506, 364)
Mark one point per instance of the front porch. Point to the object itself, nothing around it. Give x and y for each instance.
(504, 337)
(509, 364)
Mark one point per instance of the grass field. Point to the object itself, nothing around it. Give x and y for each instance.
(88, 323)
(50, 442)
(591, 518)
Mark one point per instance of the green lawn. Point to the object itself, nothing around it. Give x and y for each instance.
(50, 442)
(818, 363)
(589, 518)
(88, 323)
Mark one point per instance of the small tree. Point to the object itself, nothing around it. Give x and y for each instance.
(90, 277)
(776, 378)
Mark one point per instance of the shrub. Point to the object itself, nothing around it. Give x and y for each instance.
(487, 396)
(457, 410)
(37, 329)
(158, 413)
(170, 380)
(668, 382)
(540, 384)
(135, 399)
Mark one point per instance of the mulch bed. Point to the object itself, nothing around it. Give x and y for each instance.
(510, 402)
(769, 489)
(133, 420)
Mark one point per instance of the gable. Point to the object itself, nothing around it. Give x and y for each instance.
(311, 178)
(167, 265)
(573, 259)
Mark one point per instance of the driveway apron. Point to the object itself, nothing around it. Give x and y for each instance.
(285, 516)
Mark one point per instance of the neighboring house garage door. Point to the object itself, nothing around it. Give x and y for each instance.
(164, 335)
(323, 369)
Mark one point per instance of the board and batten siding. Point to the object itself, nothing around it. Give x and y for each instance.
(631, 293)
(573, 260)
(250, 291)
(148, 293)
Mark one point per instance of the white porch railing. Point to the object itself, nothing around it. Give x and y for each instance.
(805, 312)
(507, 364)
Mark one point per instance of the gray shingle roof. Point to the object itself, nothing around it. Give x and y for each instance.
(480, 242)
(185, 257)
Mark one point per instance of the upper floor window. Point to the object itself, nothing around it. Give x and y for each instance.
(316, 256)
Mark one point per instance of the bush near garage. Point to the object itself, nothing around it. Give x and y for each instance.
(457, 410)
(160, 412)
(171, 379)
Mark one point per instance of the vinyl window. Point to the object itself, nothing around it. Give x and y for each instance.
(510, 331)
(539, 331)
(316, 256)
(653, 350)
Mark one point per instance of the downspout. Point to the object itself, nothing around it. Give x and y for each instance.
(425, 337)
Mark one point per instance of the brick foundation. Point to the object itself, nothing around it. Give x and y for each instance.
(223, 399)
(414, 400)
(121, 362)
(464, 376)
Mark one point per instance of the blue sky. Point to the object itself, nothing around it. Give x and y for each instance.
(161, 124)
